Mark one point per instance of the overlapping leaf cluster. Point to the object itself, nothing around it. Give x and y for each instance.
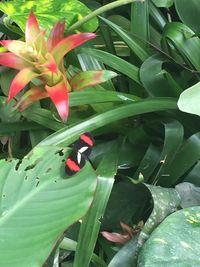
(141, 134)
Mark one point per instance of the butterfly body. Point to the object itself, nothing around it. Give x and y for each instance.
(81, 150)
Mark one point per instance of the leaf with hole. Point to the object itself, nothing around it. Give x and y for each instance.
(38, 204)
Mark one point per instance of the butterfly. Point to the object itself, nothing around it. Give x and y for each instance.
(81, 150)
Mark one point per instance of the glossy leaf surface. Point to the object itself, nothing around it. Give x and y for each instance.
(48, 12)
(174, 242)
(185, 10)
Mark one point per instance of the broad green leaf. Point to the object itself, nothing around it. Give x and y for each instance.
(181, 38)
(175, 242)
(186, 157)
(153, 77)
(166, 201)
(91, 223)
(163, 3)
(189, 13)
(38, 202)
(189, 193)
(114, 62)
(189, 100)
(99, 11)
(48, 12)
(69, 135)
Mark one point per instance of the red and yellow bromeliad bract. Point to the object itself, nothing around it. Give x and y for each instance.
(41, 59)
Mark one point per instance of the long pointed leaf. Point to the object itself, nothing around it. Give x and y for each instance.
(56, 34)
(59, 95)
(30, 97)
(90, 78)
(20, 81)
(91, 223)
(68, 43)
(136, 48)
(125, 111)
(114, 62)
(32, 29)
(10, 60)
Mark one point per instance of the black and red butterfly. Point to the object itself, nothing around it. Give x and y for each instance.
(81, 150)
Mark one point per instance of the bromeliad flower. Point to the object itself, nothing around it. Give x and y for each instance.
(39, 59)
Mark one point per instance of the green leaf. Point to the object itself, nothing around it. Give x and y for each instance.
(126, 256)
(90, 78)
(189, 100)
(6, 77)
(163, 3)
(7, 112)
(134, 45)
(149, 162)
(140, 20)
(43, 117)
(153, 77)
(114, 62)
(181, 38)
(48, 13)
(156, 17)
(127, 201)
(38, 203)
(193, 175)
(91, 223)
(166, 201)
(69, 244)
(93, 95)
(185, 9)
(12, 127)
(69, 135)
(175, 242)
(90, 96)
(90, 63)
(189, 193)
(186, 157)
(174, 134)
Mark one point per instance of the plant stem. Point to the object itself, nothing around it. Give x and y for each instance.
(100, 11)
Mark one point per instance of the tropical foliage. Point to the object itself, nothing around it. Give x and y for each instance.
(136, 201)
